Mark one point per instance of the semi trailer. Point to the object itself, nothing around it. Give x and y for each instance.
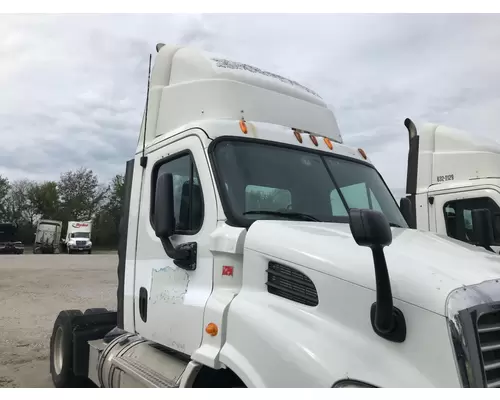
(47, 237)
(259, 250)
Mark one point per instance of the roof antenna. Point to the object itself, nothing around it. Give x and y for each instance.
(144, 160)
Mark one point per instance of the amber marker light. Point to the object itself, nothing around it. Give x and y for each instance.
(243, 127)
(328, 142)
(212, 329)
(363, 154)
(298, 136)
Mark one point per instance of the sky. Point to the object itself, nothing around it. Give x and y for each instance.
(73, 86)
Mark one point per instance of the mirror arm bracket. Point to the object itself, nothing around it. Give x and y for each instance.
(184, 256)
(387, 320)
(489, 249)
(398, 332)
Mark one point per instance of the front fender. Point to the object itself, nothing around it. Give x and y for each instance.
(273, 342)
(241, 366)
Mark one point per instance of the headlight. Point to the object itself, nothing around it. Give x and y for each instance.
(349, 383)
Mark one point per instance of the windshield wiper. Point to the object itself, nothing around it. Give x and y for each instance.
(304, 217)
(394, 225)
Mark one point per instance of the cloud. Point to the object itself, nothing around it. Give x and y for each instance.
(73, 86)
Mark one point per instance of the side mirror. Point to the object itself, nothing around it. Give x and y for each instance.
(371, 229)
(164, 218)
(406, 208)
(482, 227)
(184, 256)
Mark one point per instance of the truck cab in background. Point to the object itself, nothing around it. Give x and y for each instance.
(259, 250)
(47, 237)
(78, 237)
(9, 243)
(452, 178)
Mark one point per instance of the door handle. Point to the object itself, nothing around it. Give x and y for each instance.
(143, 303)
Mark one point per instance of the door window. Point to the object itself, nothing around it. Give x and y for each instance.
(458, 217)
(188, 197)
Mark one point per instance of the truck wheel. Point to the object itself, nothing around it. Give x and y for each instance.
(90, 251)
(61, 350)
(95, 311)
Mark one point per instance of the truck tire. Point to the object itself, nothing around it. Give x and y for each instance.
(61, 351)
(95, 311)
(90, 251)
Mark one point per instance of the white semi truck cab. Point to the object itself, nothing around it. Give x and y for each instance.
(450, 174)
(78, 237)
(258, 250)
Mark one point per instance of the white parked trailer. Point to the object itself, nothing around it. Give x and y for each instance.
(47, 236)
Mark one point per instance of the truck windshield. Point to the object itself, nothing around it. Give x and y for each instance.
(265, 181)
(80, 235)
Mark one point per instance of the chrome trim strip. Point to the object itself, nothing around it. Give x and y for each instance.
(462, 331)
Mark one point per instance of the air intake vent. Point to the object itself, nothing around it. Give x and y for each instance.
(488, 327)
(291, 284)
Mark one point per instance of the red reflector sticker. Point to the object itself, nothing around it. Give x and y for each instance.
(227, 270)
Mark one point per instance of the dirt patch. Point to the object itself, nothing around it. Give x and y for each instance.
(33, 289)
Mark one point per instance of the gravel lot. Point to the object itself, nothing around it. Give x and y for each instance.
(33, 289)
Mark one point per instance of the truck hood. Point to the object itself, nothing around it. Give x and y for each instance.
(424, 267)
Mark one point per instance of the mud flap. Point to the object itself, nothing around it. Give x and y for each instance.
(89, 327)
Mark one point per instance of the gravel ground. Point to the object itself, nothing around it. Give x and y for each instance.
(33, 289)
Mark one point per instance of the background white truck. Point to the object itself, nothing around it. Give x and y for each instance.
(78, 237)
(219, 289)
(47, 237)
(450, 173)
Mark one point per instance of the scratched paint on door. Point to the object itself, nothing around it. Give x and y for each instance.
(168, 285)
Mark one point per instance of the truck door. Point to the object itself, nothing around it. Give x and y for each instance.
(453, 213)
(169, 301)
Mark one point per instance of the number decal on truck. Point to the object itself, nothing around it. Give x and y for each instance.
(444, 178)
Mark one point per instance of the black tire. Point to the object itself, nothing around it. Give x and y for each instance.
(61, 348)
(90, 251)
(95, 311)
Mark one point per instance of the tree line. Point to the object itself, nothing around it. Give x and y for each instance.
(78, 195)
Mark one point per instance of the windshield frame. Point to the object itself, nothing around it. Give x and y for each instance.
(235, 220)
